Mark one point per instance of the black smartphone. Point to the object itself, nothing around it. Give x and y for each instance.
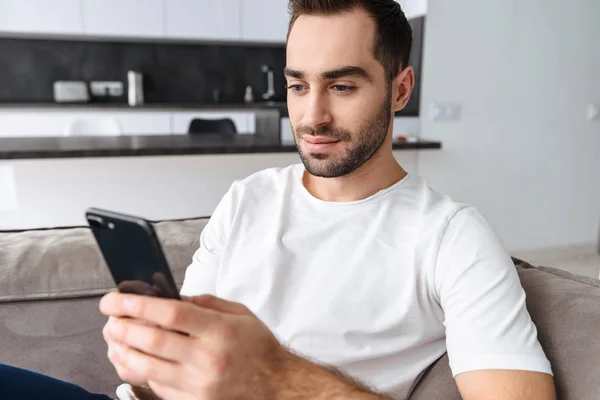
(133, 253)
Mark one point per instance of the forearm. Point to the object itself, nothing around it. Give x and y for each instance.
(299, 378)
(295, 378)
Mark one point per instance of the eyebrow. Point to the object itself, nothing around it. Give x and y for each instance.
(342, 72)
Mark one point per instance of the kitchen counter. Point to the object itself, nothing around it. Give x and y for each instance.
(151, 106)
(155, 145)
(280, 106)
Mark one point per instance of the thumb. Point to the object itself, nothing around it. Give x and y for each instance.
(218, 304)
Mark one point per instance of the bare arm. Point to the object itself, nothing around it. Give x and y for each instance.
(301, 379)
(310, 381)
(505, 385)
(298, 378)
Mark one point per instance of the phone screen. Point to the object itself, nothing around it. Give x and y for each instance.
(133, 254)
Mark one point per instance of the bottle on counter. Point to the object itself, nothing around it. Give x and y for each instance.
(248, 96)
(135, 93)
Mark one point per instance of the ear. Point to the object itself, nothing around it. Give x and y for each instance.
(402, 87)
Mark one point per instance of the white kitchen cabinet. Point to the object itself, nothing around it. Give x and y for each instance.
(53, 122)
(32, 123)
(48, 122)
(244, 121)
(144, 122)
(41, 16)
(126, 18)
(265, 20)
(203, 19)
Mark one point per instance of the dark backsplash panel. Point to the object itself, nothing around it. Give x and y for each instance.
(173, 72)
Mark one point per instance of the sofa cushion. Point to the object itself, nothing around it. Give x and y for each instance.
(566, 311)
(66, 262)
(60, 338)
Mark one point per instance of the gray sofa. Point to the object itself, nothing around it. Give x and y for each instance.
(51, 282)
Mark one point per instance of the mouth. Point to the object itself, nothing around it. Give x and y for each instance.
(319, 143)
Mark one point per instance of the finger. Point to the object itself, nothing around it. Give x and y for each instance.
(129, 376)
(151, 340)
(146, 367)
(125, 374)
(175, 315)
(206, 360)
(112, 320)
(105, 329)
(218, 304)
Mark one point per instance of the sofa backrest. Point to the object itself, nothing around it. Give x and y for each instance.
(66, 262)
(566, 311)
(60, 334)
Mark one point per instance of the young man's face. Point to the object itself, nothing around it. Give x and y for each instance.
(338, 99)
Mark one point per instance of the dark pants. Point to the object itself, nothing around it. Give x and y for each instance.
(20, 384)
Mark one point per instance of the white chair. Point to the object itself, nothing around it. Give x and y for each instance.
(93, 127)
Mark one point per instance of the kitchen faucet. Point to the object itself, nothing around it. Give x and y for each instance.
(270, 93)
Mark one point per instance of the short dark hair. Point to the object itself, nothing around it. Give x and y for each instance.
(393, 34)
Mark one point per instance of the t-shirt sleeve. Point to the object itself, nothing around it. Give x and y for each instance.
(486, 319)
(201, 275)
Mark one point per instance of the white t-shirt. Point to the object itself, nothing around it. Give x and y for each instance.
(380, 288)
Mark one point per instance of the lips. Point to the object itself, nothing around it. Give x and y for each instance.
(320, 144)
(319, 139)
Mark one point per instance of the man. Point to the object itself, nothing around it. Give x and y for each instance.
(344, 276)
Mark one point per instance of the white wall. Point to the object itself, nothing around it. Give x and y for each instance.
(56, 192)
(522, 152)
(413, 8)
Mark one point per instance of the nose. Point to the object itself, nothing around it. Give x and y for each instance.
(317, 113)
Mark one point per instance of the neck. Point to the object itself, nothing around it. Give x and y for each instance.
(378, 173)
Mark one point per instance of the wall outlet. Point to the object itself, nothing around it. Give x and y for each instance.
(593, 112)
(445, 111)
(107, 89)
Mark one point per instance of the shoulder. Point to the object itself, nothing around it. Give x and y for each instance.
(470, 249)
(261, 185)
(448, 231)
(433, 210)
